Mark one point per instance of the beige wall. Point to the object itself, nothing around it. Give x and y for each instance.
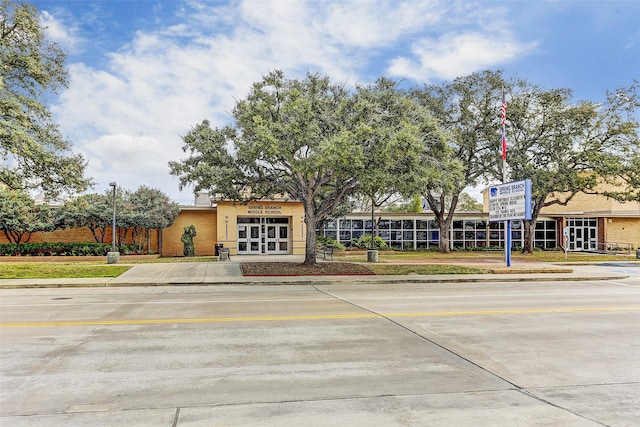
(204, 219)
(621, 220)
(623, 230)
(228, 212)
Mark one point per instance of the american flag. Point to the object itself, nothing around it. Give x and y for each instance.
(503, 114)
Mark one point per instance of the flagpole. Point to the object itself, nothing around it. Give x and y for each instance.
(503, 144)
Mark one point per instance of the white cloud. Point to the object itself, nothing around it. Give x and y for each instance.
(64, 34)
(455, 55)
(127, 116)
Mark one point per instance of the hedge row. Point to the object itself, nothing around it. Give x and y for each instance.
(64, 249)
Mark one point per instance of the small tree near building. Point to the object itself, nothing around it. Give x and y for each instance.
(20, 217)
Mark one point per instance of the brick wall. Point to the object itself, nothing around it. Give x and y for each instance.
(80, 235)
(206, 232)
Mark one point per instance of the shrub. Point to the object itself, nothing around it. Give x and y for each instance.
(364, 242)
(326, 241)
(61, 249)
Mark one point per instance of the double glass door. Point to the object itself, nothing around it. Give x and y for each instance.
(277, 239)
(583, 234)
(263, 236)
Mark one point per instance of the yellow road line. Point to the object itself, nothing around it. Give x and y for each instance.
(319, 317)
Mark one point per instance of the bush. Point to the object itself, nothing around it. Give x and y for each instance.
(364, 242)
(61, 249)
(326, 241)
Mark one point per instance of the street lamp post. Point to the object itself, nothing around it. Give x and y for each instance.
(114, 256)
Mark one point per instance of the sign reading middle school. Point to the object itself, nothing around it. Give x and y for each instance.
(510, 201)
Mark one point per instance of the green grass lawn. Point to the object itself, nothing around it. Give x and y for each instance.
(54, 270)
(539, 256)
(89, 269)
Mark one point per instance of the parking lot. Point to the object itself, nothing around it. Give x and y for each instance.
(540, 353)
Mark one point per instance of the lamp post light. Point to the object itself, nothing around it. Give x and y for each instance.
(114, 256)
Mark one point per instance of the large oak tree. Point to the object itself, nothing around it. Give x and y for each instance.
(34, 153)
(310, 139)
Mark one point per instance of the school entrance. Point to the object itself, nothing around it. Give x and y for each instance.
(583, 234)
(268, 236)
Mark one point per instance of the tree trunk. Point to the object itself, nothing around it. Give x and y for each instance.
(529, 225)
(529, 229)
(310, 241)
(444, 224)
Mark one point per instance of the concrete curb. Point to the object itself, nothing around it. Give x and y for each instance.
(310, 280)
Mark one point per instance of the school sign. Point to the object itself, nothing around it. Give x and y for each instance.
(510, 201)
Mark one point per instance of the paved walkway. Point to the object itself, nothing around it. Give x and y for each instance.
(228, 273)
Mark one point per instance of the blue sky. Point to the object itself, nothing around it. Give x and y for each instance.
(142, 73)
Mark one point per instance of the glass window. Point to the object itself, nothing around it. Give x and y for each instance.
(248, 220)
(469, 225)
(345, 223)
(407, 224)
(383, 224)
(396, 225)
(407, 235)
(331, 225)
(457, 225)
(277, 220)
(421, 235)
(345, 235)
(357, 224)
(422, 225)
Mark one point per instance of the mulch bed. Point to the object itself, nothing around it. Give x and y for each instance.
(297, 269)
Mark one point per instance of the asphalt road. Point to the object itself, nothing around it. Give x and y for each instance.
(471, 354)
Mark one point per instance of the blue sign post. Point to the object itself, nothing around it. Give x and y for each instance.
(508, 202)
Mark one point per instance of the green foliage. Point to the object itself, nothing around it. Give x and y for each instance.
(466, 203)
(467, 109)
(38, 156)
(401, 142)
(61, 249)
(136, 213)
(55, 270)
(364, 242)
(20, 216)
(94, 211)
(571, 147)
(412, 205)
(328, 241)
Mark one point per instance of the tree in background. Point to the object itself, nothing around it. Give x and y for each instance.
(619, 165)
(20, 217)
(466, 203)
(401, 143)
(466, 111)
(35, 155)
(137, 213)
(151, 209)
(564, 147)
(94, 211)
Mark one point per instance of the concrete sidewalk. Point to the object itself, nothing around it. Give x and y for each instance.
(228, 273)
